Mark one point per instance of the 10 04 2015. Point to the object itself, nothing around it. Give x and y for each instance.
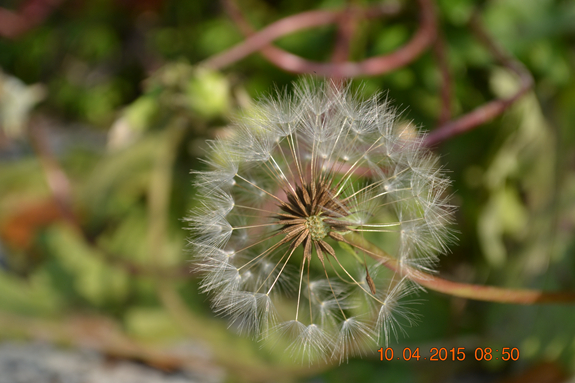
(450, 354)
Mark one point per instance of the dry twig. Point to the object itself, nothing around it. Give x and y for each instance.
(492, 109)
(369, 67)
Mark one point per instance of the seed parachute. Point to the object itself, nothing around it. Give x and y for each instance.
(300, 173)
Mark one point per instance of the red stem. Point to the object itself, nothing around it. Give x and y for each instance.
(369, 67)
(270, 33)
(347, 22)
(491, 109)
(463, 290)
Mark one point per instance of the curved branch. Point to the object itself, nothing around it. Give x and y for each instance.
(273, 31)
(347, 23)
(463, 290)
(369, 67)
(491, 109)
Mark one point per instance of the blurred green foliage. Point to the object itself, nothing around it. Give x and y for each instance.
(127, 111)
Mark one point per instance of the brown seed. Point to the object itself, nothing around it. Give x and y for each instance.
(306, 196)
(282, 215)
(369, 281)
(300, 239)
(291, 221)
(326, 246)
(319, 252)
(307, 249)
(336, 236)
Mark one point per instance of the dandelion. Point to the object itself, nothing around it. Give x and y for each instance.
(298, 176)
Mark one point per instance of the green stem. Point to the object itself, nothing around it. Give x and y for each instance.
(463, 290)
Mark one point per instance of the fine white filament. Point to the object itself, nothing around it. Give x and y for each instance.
(328, 299)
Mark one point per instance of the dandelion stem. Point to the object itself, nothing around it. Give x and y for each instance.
(463, 290)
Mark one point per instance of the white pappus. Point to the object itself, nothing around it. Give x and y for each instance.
(300, 173)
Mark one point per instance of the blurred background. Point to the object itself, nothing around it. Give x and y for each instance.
(105, 108)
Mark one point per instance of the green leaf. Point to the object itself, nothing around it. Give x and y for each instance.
(208, 93)
(94, 280)
(34, 296)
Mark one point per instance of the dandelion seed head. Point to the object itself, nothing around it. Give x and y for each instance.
(302, 171)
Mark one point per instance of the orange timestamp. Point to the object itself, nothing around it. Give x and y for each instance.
(451, 354)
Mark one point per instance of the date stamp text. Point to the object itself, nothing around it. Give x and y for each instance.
(452, 354)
